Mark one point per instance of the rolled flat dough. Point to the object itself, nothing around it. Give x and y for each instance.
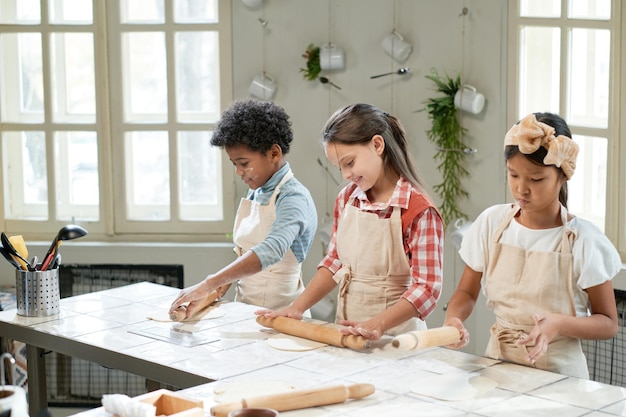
(229, 391)
(293, 343)
(454, 387)
(211, 312)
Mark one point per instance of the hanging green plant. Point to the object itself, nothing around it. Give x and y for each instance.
(313, 68)
(447, 134)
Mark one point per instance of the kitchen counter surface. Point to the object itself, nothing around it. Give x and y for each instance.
(110, 320)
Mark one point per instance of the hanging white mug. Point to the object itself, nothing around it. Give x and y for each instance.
(332, 57)
(263, 87)
(469, 100)
(396, 47)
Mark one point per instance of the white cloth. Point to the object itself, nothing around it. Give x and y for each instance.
(595, 258)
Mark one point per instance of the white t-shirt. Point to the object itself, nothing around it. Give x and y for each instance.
(595, 258)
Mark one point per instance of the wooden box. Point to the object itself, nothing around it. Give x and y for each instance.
(171, 404)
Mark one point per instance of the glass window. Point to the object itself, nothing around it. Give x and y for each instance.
(20, 12)
(22, 81)
(589, 9)
(539, 70)
(589, 71)
(540, 8)
(148, 179)
(24, 162)
(114, 104)
(197, 76)
(587, 187)
(73, 77)
(145, 77)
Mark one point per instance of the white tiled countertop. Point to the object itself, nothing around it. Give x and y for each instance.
(102, 321)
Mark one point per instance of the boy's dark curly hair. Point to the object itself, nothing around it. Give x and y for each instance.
(255, 124)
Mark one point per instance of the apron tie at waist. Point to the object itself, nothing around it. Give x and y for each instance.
(343, 276)
(510, 336)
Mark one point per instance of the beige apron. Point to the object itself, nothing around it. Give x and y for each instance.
(279, 284)
(520, 283)
(375, 271)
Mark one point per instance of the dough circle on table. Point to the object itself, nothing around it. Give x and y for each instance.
(229, 391)
(210, 313)
(293, 343)
(454, 387)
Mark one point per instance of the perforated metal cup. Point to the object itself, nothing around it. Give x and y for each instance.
(37, 292)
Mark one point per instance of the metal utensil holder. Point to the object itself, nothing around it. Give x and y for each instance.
(37, 292)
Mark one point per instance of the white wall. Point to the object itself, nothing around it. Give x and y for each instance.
(474, 46)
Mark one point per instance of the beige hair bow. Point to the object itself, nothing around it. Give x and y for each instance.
(529, 134)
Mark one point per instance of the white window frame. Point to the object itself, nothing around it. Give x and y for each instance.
(110, 130)
(615, 220)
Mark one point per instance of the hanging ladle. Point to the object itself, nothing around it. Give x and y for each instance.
(6, 243)
(401, 71)
(325, 80)
(71, 231)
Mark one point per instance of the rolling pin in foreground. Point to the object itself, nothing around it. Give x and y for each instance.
(297, 399)
(316, 332)
(181, 311)
(439, 336)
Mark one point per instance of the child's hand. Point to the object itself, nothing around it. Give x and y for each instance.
(464, 339)
(193, 295)
(368, 329)
(545, 330)
(291, 312)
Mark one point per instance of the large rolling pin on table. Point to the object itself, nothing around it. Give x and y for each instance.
(420, 339)
(297, 399)
(319, 333)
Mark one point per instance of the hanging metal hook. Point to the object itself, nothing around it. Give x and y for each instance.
(466, 151)
(464, 12)
(263, 22)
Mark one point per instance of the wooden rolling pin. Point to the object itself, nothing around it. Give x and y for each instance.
(181, 311)
(297, 399)
(316, 332)
(420, 339)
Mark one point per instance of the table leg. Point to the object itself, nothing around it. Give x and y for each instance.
(37, 389)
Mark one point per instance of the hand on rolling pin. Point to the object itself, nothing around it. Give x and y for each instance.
(193, 297)
(464, 339)
(369, 329)
(289, 311)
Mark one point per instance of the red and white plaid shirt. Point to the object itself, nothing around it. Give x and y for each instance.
(424, 238)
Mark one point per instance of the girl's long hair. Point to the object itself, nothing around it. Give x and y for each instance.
(358, 123)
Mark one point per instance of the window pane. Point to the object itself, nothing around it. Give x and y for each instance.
(200, 165)
(24, 162)
(73, 79)
(147, 173)
(540, 8)
(590, 9)
(195, 11)
(539, 70)
(197, 76)
(20, 12)
(589, 86)
(145, 78)
(587, 187)
(70, 11)
(142, 11)
(77, 186)
(21, 79)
